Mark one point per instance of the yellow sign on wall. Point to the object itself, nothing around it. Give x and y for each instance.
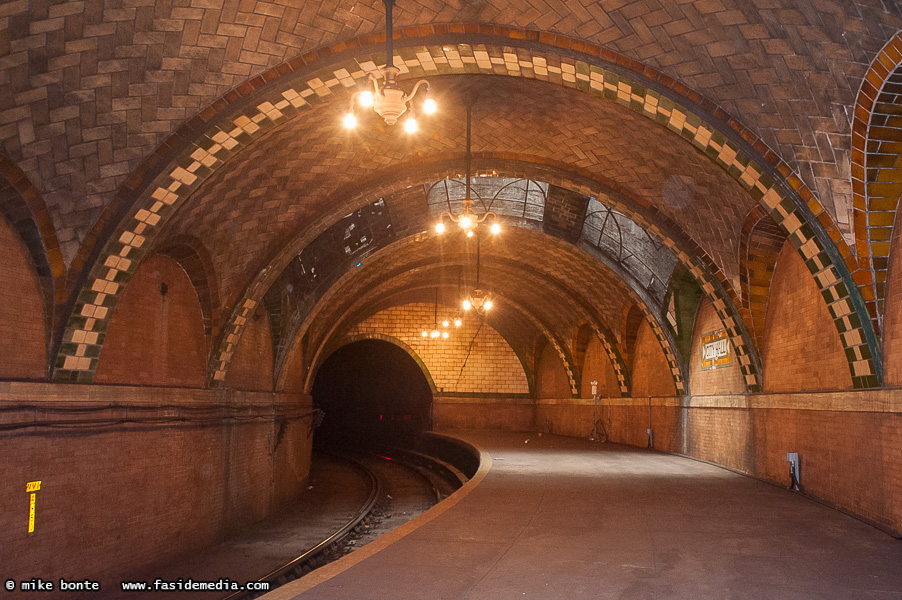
(31, 488)
(716, 350)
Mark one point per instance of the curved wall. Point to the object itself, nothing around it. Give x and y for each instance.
(252, 366)
(801, 349)
(156, 338)
(597, 367)
(551, 377)
(725, 379)
(22, 334)
(474, 358)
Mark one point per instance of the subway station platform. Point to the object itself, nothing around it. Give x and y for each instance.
(555, 517)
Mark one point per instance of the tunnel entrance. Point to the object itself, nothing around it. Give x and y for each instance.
(372, 392)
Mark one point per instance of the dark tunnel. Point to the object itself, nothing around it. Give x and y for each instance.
(372, 393)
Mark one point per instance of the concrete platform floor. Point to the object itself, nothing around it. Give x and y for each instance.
(559, 517)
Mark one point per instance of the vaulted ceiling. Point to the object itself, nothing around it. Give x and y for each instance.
(220, 123)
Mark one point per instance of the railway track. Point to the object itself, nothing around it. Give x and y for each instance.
(402, 485)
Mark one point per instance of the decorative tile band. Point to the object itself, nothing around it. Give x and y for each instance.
(875, 174)
(77, 358)
(610, 348)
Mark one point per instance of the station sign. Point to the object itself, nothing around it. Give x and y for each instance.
(717, 351)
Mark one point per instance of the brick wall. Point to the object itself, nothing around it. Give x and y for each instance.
(801, 350)
(473, 359)
(722, 380)
(116, 500)
(551, 377)
(892, 318)
(849, 443)
(294, 374)
(651, 374)
(155, 338)
(21, 317)
(496, 414)
(252, 366)
(597, 366)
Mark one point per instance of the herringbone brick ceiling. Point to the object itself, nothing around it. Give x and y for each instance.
(545, 277)
(244, 213)
(90, 89)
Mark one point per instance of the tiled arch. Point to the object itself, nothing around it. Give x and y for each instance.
(355, 311)
(350, 339)
(759, 246)
(403, 176)
(191, 253)
(387, 298)
(603, 333)
(161, 184)
(22, 205)
(877, 171)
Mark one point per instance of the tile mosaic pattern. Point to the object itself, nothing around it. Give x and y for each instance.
(286, 94)
(759, 246)
(556, 291)
(877, 172)
(609, 343)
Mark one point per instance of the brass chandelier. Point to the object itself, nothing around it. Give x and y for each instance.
(434, 332)
(468, 220)
(477, 299)
(388, 100)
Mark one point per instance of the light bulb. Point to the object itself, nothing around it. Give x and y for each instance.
(410, 125)
(366, 99)
(425, 334)
(466, 222)
(445, 323)
(488, 304)
(440, 228)
(495, 228)
(434, 334)
(350, 121)
(445, 335)
(470, 233)
(429, 106)
(467, 305)
(457, 322)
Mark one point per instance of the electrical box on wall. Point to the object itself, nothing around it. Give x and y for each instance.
(795, 477)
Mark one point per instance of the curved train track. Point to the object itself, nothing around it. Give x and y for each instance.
(402, 485)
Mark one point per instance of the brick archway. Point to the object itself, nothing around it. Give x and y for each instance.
(151, 195)
(877, 171)
(23, 207)
(350, 339)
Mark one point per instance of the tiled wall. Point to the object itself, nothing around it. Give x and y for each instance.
(551, 378)
(651, 373)
(801, 349)
(471, 360)
(597, 367)
(892, 321)
(725, 379)
(251, 367)
(156, 338)
(22, 336)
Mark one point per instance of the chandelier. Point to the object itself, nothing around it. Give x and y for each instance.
(477, 299)
(389, 101)
(434, 332)
(468, 220)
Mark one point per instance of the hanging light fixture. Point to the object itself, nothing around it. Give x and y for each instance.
(388, 100)
(468, 220)
(434, 332)
(477, 299)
